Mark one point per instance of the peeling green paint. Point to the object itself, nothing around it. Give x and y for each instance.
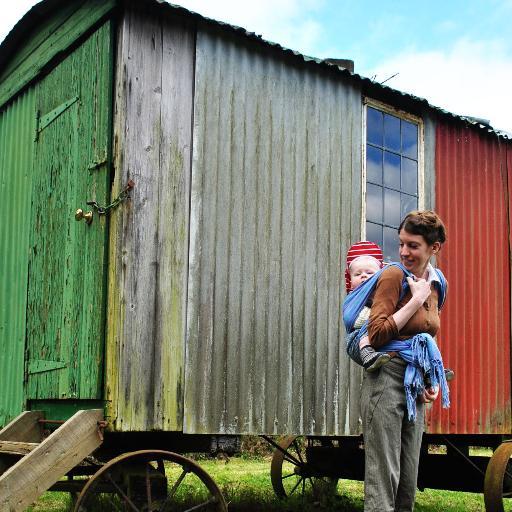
(66, 291)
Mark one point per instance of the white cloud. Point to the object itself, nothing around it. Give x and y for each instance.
(287, 22)
(471, 78)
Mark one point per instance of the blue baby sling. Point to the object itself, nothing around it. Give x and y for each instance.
(420, 352)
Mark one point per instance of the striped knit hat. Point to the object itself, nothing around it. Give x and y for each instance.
(362, 249)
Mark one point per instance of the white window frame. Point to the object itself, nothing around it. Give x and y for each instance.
(368, 102)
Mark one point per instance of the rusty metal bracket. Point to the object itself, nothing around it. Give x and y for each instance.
(102, 425)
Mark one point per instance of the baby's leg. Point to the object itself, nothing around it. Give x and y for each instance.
(372, 360)
(365, 342)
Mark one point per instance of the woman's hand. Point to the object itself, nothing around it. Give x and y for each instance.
(420, 289)
(430, 394)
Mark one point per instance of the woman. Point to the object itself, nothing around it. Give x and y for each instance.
(392, 441)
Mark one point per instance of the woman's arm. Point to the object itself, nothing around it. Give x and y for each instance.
(420, 291)
(385, 320)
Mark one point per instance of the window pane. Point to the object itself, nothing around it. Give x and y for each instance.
(391, 207)
(391, 170)
(390, 244)
(409, 176)
(392, 132)
(374, 164)
(408, 204)
(373, 203)
(374, 126)
(374, 233)
(409, 140)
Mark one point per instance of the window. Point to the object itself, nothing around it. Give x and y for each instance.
(392, 165)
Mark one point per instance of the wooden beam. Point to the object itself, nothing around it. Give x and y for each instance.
(16, 448)
(24, 428)
(31, 476)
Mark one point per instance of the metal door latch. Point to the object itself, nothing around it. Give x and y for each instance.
(102, 210)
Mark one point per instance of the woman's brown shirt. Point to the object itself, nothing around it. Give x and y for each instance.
(382, 328)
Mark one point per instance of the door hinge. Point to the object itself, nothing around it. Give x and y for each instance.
(41, 365)
(44, 121)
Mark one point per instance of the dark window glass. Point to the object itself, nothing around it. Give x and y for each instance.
(374, 203)
(391, 177)
(391, 170)
(390, 244)
(392, 133)
(409, 176)
(391, 207)
(407, 204)
(374, 233)
(409, 139)
(375, 126)
(374, 164)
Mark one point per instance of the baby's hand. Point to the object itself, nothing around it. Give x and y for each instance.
(420, 289)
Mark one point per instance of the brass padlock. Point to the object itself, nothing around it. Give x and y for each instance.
(87, 216)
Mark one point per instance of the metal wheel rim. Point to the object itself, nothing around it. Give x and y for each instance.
(215, 502)
(494, 477)
(297, 458)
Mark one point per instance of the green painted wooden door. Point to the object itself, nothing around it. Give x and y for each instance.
(66, 290)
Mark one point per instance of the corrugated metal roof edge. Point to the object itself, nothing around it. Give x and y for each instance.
(29, 20)
(45, 7)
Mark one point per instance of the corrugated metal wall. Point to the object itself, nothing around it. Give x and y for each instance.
(472, 198)
(17, 130)
(275, 203)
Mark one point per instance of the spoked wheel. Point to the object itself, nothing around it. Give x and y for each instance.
(150, 481)
(291, 474)
(498, 478)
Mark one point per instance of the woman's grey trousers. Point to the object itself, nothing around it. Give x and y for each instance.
(392, 443)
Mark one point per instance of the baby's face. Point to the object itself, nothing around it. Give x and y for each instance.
(361, 269)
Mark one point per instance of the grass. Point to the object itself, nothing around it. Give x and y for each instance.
(245, 483)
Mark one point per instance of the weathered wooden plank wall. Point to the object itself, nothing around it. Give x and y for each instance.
(275, 203)
(149, 233)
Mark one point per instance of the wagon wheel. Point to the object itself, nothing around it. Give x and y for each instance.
(290, 472)
(150, 481)
(498, 478)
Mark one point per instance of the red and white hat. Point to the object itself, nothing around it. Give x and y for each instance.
(362, 249)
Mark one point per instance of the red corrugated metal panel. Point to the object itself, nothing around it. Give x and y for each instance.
(472, 198)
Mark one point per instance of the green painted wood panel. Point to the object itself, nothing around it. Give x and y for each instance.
(17, 125)
(48, 39)
(67, 261)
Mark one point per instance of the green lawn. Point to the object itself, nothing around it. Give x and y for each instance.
(246, 485)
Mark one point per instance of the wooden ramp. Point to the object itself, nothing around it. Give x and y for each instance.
(29, 465)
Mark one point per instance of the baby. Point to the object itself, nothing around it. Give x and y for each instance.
(363, 260)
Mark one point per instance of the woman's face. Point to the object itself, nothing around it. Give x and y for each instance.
(415, 253)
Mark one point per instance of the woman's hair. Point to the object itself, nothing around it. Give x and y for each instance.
(425, 223)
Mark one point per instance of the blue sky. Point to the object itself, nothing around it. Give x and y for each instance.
(456, 54)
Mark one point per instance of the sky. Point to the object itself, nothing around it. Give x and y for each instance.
(456, 54)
